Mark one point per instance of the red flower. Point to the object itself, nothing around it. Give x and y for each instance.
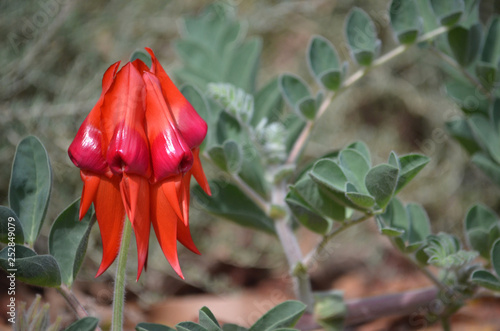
(137, 151)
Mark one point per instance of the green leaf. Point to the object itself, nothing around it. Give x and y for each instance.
(208, 320)
(355, 167)
(233, 327)
(465, 43)
(152, 327)
(310, 192)
(489, 167)
(460, 130)
(84, 324)
(294, 90)
(307, 108)
(395, 217)
(429, 21)
(361, 37)
(468, 97)
(448, 12)
(241, 70)
(228, 128)
(491, 48)
(10, 226)
(409, 166)
(285, 314)
(381, 182)
(323, 63)
(405, 20)
(189, 326)
(444, 251)
(30, 186)
(478, 239)
(330, 309)
(268, 103)
(495, 256)
(68, 240)
(38, 270)
(362, 149)
(229, 202)
(328, 173)
(480, 217)
(227, 157)
(294, 125)
(361, 200)
(485, 135)
(305, 215)
(486, 279)
(420, 226)
(234, 100)
(142, 55)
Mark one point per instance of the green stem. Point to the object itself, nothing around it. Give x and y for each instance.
(311, 257)
(351, 80)
(120, 279)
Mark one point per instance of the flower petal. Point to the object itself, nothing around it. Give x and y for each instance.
(122, 116)
(110, 217)
(86, 150)
(170, 189)
(90, 186)
(170, 155)
(164, 222)
(135, 196)
(190, 124)
(184, 237)
(198, 172)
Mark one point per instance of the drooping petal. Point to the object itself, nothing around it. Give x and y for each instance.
(184, 237)
(140, 66)
(122, 116)
(170, 189)
(90, 185)
(198, 172)
(170, 155)
(86, 150)
(110, 217)
(165, 222)
(190, 124)
(135, 196)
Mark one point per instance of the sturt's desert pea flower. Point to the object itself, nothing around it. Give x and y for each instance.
(137, 150)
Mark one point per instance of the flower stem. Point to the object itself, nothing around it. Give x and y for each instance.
(120, 279)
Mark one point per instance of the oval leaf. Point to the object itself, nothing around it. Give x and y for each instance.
(293, 89)
(285, 314)
(229, 202)
(486, 279)
(68, 240)
(84, 324)
(495, 256)
(11, 229)
(30, 186)
(361, 36)
(448, 12)
(38, 270)
(381, 183)
(465, 43)
(405, 20)
(323, 63)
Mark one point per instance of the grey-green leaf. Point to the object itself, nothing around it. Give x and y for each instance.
(478, 239)
(410, 166)
(323, 62)
(233, 327)
(396, 217)
(268, 103)
(189, 326)
(465, 43)
(420, 226)
(328, 173)
(355, 167)
(152, 327)
(68, 240)
(405, 20)
(448, 12)
(229, 202)
(486, 279)
(495, 256)
(142, 55)
(305, 215)
(361, 36)
(10, 227)
(30, 186)
(294, 90)
(285, 314)
(490, 168)
(491, 48)
(39, 270)
(84, 324)
(208, 320)
(381, 183)
(481, 217)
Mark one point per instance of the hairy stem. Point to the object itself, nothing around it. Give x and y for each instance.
(311, 257)
(351, 80)
(120, 279)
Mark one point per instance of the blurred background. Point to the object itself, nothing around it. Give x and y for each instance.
(52, 57)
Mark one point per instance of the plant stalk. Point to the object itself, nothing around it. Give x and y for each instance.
(351, 80)
(73, 302)
(120, 279)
